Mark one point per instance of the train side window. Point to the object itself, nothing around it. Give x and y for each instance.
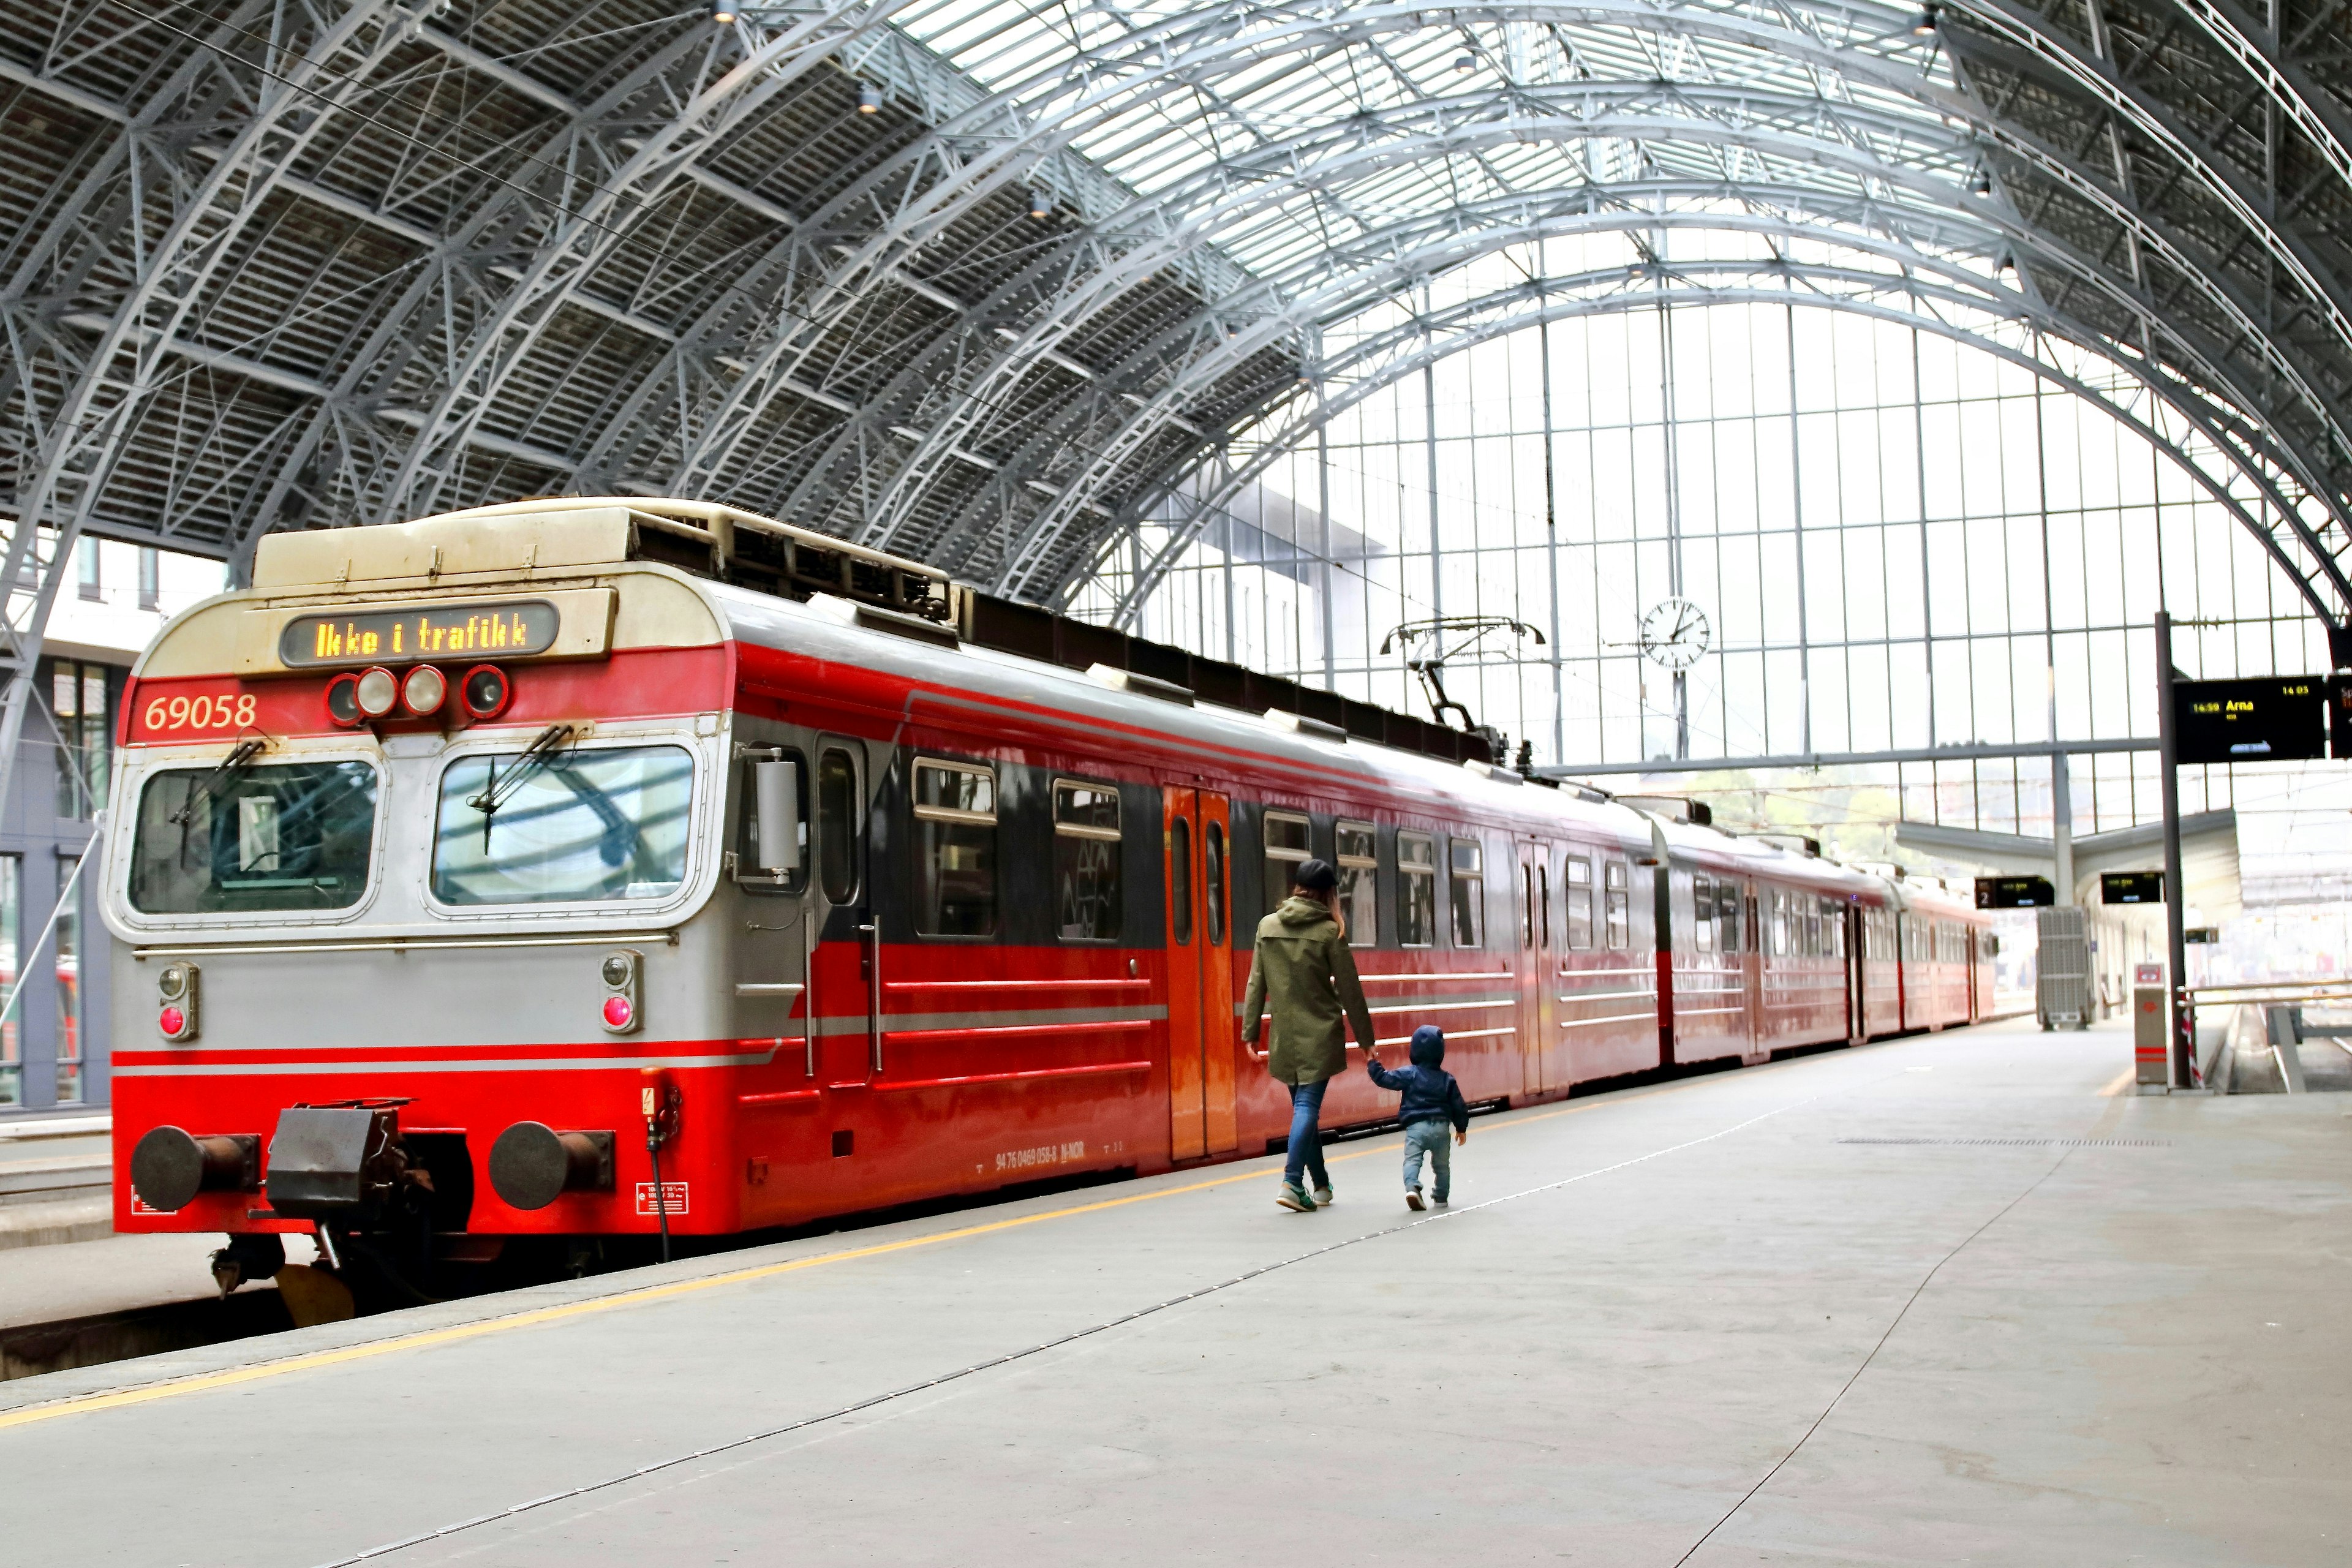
(1543, 899)
(1416, 889)
(1359, 863)
(1213, 870)
(1779, 947)
(1086, 897)
(1619, 889)
(1578, 897)
(955, 829)
(1528, 904)
(1727, 914)
(1701, 914)
(836, 825)
(1469, 892)
(1179, 884)
(1286, 838)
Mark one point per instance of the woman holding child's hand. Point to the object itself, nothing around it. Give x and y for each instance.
(1304, 971)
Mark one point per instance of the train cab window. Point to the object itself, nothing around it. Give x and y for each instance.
(1087, 899)
(1469, 893)
(1213, 877)
(563, 827)
(1619, 889)
(1727, 922)
(1577, 896)
(837, 800)
(1416, 889)
(955, 866)
(1286, 834)
(1701, 914)
(1179, 882)
(292, 836)
(1360, 865)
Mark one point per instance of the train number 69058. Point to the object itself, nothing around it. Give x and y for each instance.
(223, 712)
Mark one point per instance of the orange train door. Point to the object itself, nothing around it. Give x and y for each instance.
(1539, 983)
(1201, 1031)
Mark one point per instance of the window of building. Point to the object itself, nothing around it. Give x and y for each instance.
(81, 711)
(1416, 889)
(955, 850)
(1213, 877)
(1179, 882)
(839, 817)
(150, 579)
(1701, 914)
(66, 942)
(1360, 866)
(1579, 898)
(1619, 891)
(12, 1051)
(1286, 834)
(1086, 898)
(90, 587)
(1469, 890)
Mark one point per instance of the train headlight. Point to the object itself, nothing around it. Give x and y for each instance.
(425, 690)
(622, 973)
(175, 990)
(485, 691)
(376, 690)
(344, 700)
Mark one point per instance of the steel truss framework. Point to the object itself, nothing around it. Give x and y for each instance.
(277, 263)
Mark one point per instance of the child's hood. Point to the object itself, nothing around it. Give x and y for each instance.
(1428, 1047)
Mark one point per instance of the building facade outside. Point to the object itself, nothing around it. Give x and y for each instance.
(55, 1040)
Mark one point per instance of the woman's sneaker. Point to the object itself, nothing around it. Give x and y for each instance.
(1413, 1198)
(1292, 1198)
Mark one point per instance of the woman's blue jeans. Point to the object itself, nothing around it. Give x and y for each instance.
(1306, 1134)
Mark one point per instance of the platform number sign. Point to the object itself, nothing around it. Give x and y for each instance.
(2278, 718)
(2015, 893)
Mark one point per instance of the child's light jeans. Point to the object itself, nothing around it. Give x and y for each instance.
(1432, 1139)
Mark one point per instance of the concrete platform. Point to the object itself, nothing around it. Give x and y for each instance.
(1957, 1298)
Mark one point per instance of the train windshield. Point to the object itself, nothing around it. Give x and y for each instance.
(536, 827)
(233, 838)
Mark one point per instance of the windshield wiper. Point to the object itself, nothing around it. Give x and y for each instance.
(236, 762)
(536, 757)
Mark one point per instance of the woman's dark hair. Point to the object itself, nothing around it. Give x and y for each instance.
(1315, 877)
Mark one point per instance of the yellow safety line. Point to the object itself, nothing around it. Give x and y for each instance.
(2123, 1080)
(206, 1380)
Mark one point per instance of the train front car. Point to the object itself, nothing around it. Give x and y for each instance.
(413, 860)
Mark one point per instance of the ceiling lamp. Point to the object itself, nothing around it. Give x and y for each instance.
(1464, 62)
(1924, 26)
(722, 12)
(869, 99)
(1982, 183)
(1040, 203)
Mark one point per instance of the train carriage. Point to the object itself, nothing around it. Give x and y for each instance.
(598, 869)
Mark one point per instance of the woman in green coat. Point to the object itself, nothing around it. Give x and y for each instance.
(1304, 970)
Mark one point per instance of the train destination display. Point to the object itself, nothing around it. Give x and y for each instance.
(2131, 888)
(2272, 719)
(2015, 893)
(516, 628)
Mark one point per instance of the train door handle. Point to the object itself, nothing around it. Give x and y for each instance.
(872, 932)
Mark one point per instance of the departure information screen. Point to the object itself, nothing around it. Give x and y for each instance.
(514, 629)
(2015, 893)
(2131, 888)
(2270, 720)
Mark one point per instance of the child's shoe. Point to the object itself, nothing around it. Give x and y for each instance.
(1292, 1198)
(1412, 1199)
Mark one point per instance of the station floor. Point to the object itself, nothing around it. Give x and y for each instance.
(1960, 1298)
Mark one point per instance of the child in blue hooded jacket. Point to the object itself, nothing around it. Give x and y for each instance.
(1433, 1100)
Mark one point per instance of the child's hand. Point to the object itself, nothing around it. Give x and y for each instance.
(1462, 1137)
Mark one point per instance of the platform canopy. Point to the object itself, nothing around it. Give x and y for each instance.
(985, 282)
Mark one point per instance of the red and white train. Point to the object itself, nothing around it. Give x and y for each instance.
(588, 869)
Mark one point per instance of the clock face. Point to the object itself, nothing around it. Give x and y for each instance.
(1675, 634)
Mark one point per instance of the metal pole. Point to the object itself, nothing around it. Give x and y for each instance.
(2176, 931)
